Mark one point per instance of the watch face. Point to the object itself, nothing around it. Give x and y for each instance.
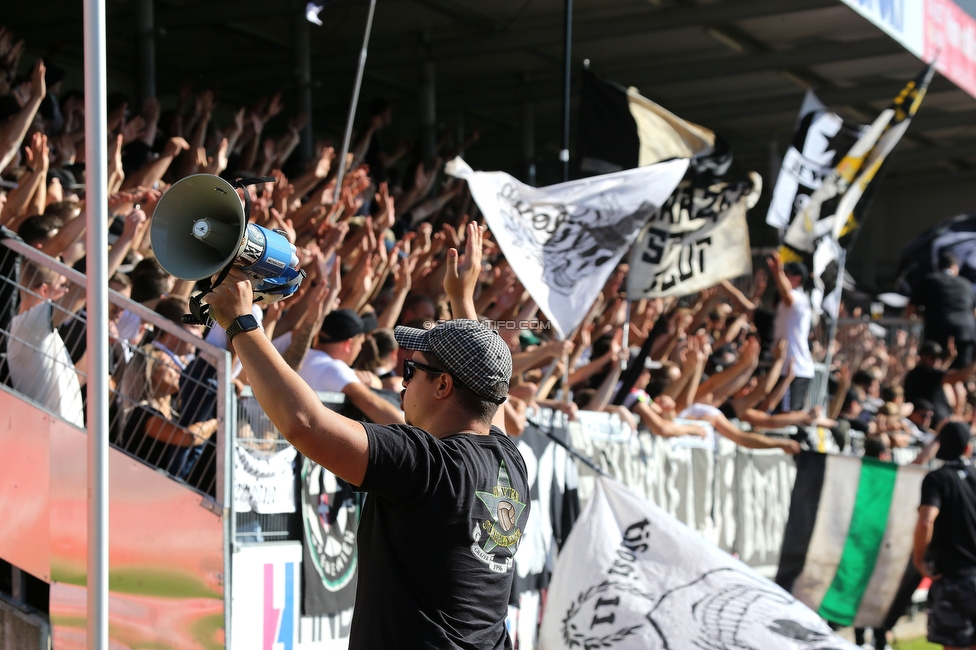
(247, 322)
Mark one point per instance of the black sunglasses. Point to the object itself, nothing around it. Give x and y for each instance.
(410, 368)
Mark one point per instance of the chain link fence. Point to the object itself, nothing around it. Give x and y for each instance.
(166, 405)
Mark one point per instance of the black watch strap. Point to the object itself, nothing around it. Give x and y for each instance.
(245, 323)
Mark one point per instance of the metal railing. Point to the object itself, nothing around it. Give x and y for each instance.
(168, 408)
(258, 440)
(857, 337)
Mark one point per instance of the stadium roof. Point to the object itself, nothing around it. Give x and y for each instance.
(739, 67)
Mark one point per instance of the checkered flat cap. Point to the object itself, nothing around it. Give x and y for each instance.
(474, 354)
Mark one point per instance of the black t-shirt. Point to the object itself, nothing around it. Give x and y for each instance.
(952, 489)
(437, 539)
(134, 440)
(948, 304)
(925, 382)
(198, 392)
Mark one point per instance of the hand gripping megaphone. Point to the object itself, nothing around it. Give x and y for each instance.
(200, 227)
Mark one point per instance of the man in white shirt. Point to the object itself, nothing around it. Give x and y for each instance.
(326, 367)
(40, 365)
(793, 319)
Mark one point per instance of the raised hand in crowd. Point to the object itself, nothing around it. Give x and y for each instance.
(461, 279)
(13, 131)
(10, 51)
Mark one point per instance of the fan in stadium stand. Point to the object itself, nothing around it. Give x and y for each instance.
(956, 235)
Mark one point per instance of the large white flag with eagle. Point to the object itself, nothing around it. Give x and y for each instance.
(564, 240)
(633, 577)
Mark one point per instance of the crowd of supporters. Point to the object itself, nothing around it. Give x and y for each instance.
(738, 356)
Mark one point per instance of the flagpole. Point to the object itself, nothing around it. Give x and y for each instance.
(352, 105)
(831, 333)
(572, 452)
(625, 343)
(630, 375)
(96, 200)
(564, 152)
(567, 394)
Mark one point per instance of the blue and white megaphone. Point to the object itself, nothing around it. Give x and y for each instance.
(200, 227)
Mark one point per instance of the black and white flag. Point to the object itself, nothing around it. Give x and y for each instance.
(821, 138)
(621, 129)
(698, 238)
(837, 208)
(564, 240)
(631, 576)
(956, 235)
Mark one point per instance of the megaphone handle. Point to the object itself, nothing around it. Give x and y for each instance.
(199, 313)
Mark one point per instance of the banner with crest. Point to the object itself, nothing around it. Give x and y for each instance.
(330, 516)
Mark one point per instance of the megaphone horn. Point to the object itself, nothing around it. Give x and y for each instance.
(200, 227)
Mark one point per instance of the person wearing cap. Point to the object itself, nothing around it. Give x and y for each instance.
(448, 491)
(945, 540)
(793, 319)
(927, 379)
(328, 365)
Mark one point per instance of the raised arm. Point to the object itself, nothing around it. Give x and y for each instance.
(779, 277)
(335, 442)
(18, 205)
(153, 171)
(14, 131)
(321, 298)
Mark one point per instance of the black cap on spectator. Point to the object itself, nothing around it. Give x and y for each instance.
(922, 404)
(797, 268)
(930, 349)
(52, 74)
(953, 440)
(341, 325)
(8, 107)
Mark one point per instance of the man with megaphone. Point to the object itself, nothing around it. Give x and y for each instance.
(448, 490)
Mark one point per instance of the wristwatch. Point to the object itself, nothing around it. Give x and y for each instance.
(245, 323)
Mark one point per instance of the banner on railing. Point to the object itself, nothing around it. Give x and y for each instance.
(264, 484)
(266, 588)
(330, 516)
(555, 505)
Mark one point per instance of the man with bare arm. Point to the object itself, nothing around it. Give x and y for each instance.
(448, 493)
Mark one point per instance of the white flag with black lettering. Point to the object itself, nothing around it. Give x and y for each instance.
(631, 576)
(698, 238)
(564, 240)
(821, 138)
